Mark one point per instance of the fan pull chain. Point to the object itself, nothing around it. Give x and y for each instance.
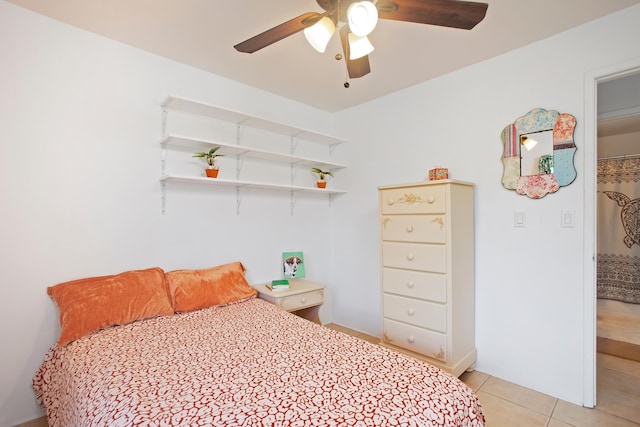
(339, 57)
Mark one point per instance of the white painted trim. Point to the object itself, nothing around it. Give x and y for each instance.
(589, 265)
(619, 114)
(592, 78)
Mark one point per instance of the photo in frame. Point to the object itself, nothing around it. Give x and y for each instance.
(293, 265)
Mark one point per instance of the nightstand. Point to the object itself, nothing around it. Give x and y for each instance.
(303, 298)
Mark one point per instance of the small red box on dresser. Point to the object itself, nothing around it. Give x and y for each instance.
(438, 173)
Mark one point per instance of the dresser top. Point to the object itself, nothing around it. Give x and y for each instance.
(423, 183)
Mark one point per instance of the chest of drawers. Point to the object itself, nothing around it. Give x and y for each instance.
(427, 251)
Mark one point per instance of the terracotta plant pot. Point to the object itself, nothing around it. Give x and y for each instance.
(212, 173)
(321, 184)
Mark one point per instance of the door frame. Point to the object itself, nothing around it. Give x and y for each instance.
(591, 80)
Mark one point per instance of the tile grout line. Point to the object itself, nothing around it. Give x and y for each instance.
(553, 411)
(483, 383)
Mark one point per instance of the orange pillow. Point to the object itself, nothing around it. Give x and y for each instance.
(196, 289)
(88, 305)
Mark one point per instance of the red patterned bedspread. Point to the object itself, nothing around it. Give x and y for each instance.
(247, 364)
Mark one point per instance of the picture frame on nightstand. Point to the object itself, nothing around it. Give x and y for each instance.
(293, 265)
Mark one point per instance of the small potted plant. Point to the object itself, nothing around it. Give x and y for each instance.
(321, 183)
(210, 158)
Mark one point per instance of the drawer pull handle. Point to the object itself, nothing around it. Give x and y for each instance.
(390, 202)
(409, 228)
(411, 312)
(411, 339)
(431, 199)
(303, 300)
(410, 284)
(410, 257)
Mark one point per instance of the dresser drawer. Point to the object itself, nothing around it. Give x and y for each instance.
(414, 228)
(415, 284)
(415, 256)
(418, 340)
(417, 312)
(302, 300)
(407, 200)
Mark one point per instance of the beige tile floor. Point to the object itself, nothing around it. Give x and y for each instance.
(618, 326)
(509, 405)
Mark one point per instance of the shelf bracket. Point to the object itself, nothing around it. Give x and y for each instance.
(238, 200)
(165, 113)
(331, 148)
(239, 164)
(239, 160)
(294, 145)
(239, 130)
(163, 160)
(163, 197)
(293, 201)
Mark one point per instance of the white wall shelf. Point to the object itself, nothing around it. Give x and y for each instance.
(244, 151)
(196, 107)
(251, 184)
(241, 151)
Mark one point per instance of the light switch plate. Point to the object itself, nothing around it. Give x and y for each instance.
(568, 219)
(519, 219)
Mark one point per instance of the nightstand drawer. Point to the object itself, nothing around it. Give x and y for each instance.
(406, 200)
(429, 343)
(414, 228)
(415, 284)
(415, 256)
(420, 313)
(302, 300)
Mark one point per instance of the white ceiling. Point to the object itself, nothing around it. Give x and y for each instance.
(202, 33)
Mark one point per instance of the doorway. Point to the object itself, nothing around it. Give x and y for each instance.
(618, 242)
(592, 81)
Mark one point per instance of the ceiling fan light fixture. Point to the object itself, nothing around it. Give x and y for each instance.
(362, 17)
(359, 46)
(319, 34)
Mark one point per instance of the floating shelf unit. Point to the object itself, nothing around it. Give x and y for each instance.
(241, 151)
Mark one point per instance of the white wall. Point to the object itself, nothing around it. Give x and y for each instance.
(626, 144)
(529, 281)
(80, 121)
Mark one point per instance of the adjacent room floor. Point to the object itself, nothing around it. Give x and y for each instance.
(509, 405)
(619, 334)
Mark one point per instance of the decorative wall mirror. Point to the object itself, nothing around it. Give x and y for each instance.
(538, 153)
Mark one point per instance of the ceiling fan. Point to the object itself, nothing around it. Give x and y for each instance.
(359, 19)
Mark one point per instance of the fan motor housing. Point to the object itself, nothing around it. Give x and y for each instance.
(341, 6)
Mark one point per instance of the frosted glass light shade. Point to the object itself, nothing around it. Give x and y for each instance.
(319, 34)
(363, 17)
(359, 46)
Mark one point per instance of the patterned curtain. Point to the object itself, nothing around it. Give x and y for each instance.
(618, 200)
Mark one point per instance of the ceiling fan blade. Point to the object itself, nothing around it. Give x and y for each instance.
(355, 67)
(445, 13)
(278, 32)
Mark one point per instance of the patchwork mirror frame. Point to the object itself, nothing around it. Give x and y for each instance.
(562, 169)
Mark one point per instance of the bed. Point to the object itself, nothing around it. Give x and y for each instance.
(239, 362)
